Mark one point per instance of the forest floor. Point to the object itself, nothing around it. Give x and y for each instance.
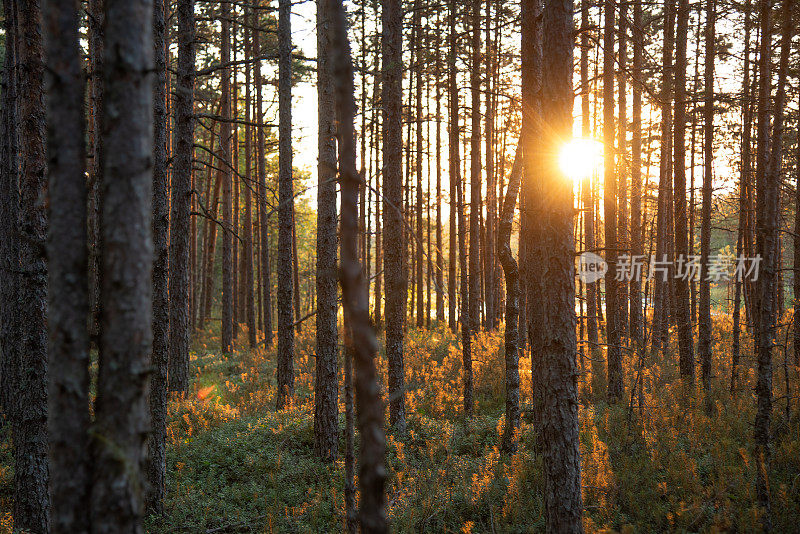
(235, 465)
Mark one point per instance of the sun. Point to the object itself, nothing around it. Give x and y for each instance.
(580, 158)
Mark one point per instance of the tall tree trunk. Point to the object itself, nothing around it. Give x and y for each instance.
(637, 230)
(768, 189)
(682, 296)
(264, 280)
(614, 351)
(31, 499)
(156, 448)
(439, 242)
(475, 197)
(491, 180)
(326, 393)
(226, 175)
(246, 296)
(285, 371)
(9, 204)
(362, 341)
(394, 250)
(122, 420)
(96, 31)
(623, 238)
(419, 240)
(454, 161)
(559, 393)
(511, 273)
(183, 139)
(704, 313)
(68, 284)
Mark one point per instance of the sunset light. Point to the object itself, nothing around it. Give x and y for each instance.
(581, 157)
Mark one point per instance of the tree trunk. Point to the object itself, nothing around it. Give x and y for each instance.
(559, 394)
(511, 272)
(454, 162)
(246, 297)
(491, 180)
(179, 333)
(285, 371)
(682, 295)
(122, 420)
(226, 174)
(614, 351)
(68, 284)
(623, 238)
(31, 499)
(637, 230)
(326, 393)
(362, 341)
(704, 313)
(394, 250)
(96, 31)
(156, 448)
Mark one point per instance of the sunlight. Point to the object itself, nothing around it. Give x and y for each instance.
(580, 158)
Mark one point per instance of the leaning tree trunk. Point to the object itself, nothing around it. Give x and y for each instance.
(285, 371)
(559, 387)
(31, 499)
(68, 284)
(122, 420)
(511, 272)
(362, 342)
(179, 333)
(326, 392)
(394, 261)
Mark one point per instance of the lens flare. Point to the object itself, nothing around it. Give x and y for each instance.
(580, 158)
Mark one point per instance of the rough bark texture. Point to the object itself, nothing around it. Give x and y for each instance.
(285, 371)
(96, 29)
(511, 272)
(226, 176)
(156, 448)
(613, 339)
(179, 330)
(475, 199)
(454, 163)
(264, 282)
(637, 230)
(704, 312)
(683, 308)
(122, 419)
(767, 233)
(362, 341)
(394, 260)
(9, 205)
(68, 284)
(31, 499)
(326, 385)
(559, 392)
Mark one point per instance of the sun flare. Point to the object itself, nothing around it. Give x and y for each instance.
(580, 158)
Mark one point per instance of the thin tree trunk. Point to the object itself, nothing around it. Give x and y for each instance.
(179, 330)
(156, 447)
(326, 393)
(122, 419)
(362, 341)
(285, 371)
(96, 31)
(704, 314)
(394, 250)
(246, 297)
(454, 162)
(637, 230)
(623, 238)
(68, 284)
(491, 180)
(226, 175)
(511, 273)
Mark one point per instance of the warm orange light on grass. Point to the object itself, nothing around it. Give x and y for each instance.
(580, 158)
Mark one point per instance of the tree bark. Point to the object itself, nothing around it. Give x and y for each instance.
(637, 231)
(559, 393)
(31, 499)
(122, 420)
(682, 295)
(285, 371)
(454, 162)
(326, 392)
(68, 284)
(156, 449)
(226, 176)
(363, 344)
(394, 261)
